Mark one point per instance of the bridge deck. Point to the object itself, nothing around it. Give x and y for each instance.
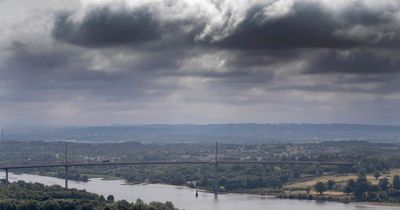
(69, 164)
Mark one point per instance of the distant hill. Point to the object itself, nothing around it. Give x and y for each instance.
(229, 133)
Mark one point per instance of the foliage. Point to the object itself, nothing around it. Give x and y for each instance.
(362, 186)
(371, 157)
(320, 187)
(384, 184)
(350, 187)
(330, 184)
(363, 190)
(28, 196)
(377, 174)
(396, 182)
(110, 198)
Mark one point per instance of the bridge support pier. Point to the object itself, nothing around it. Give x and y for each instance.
(66, 177)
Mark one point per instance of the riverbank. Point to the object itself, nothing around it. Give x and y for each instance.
(32, 196)
(184, 197)
(341, 199)
(300, 189)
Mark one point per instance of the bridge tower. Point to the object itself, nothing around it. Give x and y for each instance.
(66, 165)
(6, 176)
(2, 137)
(215, 187)
(1, 144)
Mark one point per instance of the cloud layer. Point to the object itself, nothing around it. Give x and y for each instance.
(102, 27)
(162, 61)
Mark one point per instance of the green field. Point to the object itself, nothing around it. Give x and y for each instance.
(302, 185)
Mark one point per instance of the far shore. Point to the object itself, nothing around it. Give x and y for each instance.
(279, 193)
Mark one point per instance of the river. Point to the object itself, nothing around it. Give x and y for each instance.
(184, 198)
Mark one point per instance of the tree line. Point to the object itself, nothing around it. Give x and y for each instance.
(35, 196)
(361, 189)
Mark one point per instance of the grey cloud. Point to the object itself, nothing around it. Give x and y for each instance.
(253, 42)
(358, 62)
(42, 68)
(42, 74)
(103, 27)
(33, 63)
(308, 26)
(261, 58)
(145, 58)
(359, 14)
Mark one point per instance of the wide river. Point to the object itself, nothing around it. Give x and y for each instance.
(184, 198)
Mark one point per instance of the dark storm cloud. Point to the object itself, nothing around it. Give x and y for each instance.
(257, 40)
(102, 27)
(308, 26)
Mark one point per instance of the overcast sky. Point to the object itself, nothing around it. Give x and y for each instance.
(102, 62)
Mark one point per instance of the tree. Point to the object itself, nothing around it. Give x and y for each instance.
(177, 179)
(50, 205)
(320, 187)
(123, 205)
(384, 184)
(351, 185)
(68, 205)
(308, 189)
(102, 198)
(29, 205)
(362, 186)
(222, 181)
(396, 182)
(330, 184)
(139, 205)
(275, 182)
(377, 174)
(110, 198)
(87, 206)
(204, 181)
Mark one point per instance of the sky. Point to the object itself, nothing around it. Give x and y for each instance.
(103, 62)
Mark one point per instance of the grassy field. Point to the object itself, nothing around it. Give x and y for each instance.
(302, 185)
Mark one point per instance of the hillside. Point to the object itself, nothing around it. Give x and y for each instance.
(233, 133)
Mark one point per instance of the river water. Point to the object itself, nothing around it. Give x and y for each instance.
(184, 198)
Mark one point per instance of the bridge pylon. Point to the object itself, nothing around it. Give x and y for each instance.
(6, 176)
(215, 187)
(66, 165)
(66, 177)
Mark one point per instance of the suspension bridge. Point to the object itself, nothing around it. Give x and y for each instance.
(66, 165)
